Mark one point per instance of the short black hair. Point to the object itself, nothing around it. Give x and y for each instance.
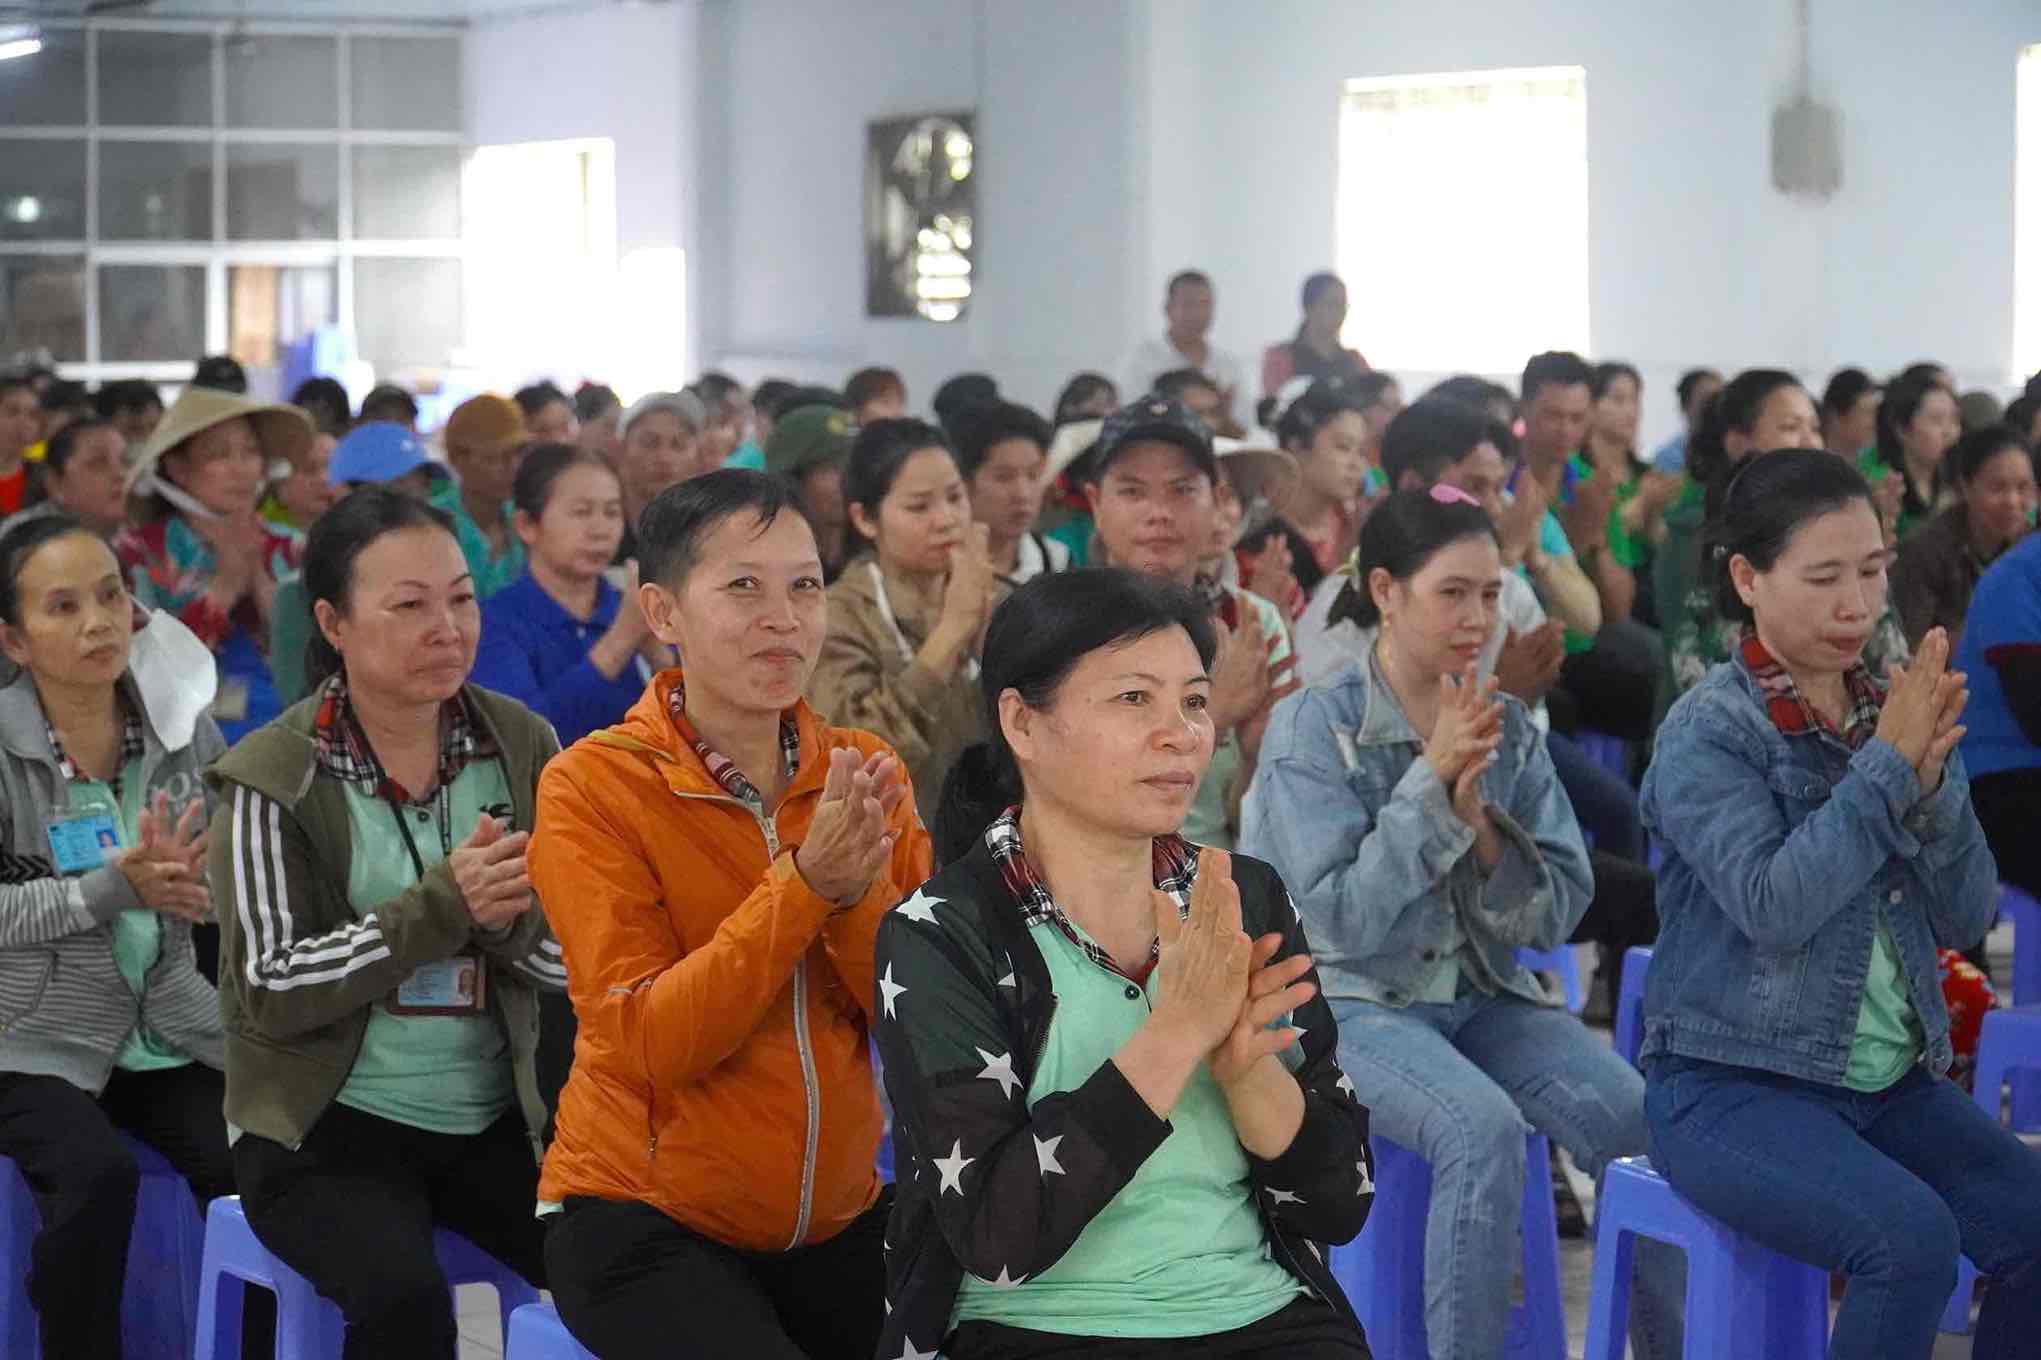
(768, 394)
(1081, 389)
(64, 443)
(533, 398)
(221, 373)
(966, 389)
(869, 384)
(389, 402)
(1185, 278)
(1844, 390)
(1177, 381)
(1317, 286)
(672, 527)
(19, 544)
(124, 395)
(593, 401)
(1979, 446)
(981, 427)
(64, 395)
(1430, 435)
(326, 402)
(1763, 505)
(1554, 368)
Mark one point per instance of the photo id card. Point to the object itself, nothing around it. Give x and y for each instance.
(82, 839)
(454, 986)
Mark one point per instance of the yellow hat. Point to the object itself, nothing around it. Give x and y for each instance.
(484, 424)
(284, 432)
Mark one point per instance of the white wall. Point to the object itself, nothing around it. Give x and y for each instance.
(627, 73)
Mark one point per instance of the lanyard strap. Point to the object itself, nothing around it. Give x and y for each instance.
(885, 604)
(442, 813)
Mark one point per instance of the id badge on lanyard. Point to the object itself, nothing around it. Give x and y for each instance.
(456, 986)
(83, 833)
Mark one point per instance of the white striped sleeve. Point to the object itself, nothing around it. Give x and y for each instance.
(273, 957)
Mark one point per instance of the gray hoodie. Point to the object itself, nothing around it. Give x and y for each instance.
(64, 1006)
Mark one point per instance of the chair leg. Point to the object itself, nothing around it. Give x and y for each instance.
(1608, 1319)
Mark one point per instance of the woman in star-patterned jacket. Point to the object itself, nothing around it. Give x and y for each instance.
(1118, 1113)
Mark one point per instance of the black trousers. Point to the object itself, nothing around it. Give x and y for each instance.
(353, 1211)
(68, 1147)
(1305, 1330)
(632, 1284)
(1623, 912)
(2009, 808)
(1613, 687)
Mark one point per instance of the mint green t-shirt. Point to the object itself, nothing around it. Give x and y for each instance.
(1206, 823)
(1180, 1251)
(491, 572)
(1888, 1039)
(441, 1073)
(137, 932)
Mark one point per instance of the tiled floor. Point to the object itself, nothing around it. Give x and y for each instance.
(481, 1333)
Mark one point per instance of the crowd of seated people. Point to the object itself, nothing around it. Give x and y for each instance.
(600, 827)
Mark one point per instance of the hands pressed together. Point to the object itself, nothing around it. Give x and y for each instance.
(489, 869)
(166, 866)
(1921, 713)
(849, 841)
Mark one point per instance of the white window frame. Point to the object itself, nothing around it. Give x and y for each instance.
(221, 253)
(2027, 217)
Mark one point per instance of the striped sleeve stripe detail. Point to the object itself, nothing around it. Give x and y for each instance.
(273, 960)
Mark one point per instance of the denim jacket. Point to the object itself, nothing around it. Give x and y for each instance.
(1357, 824)
(1783, 854)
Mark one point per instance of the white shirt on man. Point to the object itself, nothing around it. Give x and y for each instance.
(1156, 356)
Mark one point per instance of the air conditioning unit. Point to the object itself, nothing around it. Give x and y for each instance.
(1807, 149)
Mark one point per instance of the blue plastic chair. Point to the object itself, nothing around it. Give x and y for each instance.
(309, 1327)
(1382, 1271)
(1562, 962)
(1611, 753)
(159, 1301)
(1630, 1003)
(1742, 1300)
(2025, 914)
(536, 1333)
(2008, 1049)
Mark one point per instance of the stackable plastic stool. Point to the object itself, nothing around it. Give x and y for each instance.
(1611, 753)
(1743, 1300)
(2008, 1048)
(1562, 962)
(1382, 1271)
(159, 1300)
(2025, 914)
(1630, 1003)
(536, 1333)
(309, 1327)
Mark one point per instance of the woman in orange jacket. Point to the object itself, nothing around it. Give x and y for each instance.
(715, 868)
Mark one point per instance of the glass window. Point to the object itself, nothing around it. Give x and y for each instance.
(270, 308)
(282, 82)
(48, 88)
(407, 193)
(407, 313)
(155, 191)
(283, 193)
(42, 306)
(155, 79)
(42, 191)
(406, 84)
(151, 313)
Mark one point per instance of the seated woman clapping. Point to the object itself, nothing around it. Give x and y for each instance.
(1119, 1118)
(717, 865)
(105, 1023)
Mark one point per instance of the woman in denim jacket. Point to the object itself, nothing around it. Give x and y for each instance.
(1820, 846)
(1417, 819)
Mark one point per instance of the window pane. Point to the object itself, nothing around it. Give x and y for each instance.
(406, 84)
(42, 191)
(282, 82)
(155, 79)
(51, 87)
(151, 313)
(407, 313)
(42, 307)
(270, 308)
(283, 193)
(407, 193)
(155, 191)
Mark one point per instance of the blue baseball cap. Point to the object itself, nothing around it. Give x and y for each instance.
(379, 451)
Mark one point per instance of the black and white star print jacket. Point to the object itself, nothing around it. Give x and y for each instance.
(990, 1186)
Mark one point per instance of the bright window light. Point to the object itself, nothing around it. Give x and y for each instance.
(1463, 217)
(19, 47)
(2027, 220)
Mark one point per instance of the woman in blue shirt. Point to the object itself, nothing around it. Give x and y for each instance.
(563, 639)
(1820, 846)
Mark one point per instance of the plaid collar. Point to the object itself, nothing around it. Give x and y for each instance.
(1176, 869)
(723, 769)
(131, 748)
(341, 749)
(1793, 715)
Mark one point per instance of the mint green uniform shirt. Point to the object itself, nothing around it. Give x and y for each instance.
(441, 1073)
(1888, 1039)
(1180, 1251)
(137, 932)
(491, 573)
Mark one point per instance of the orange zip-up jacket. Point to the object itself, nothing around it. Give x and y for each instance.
(721, 1068)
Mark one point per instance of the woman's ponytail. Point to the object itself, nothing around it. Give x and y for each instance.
(983, 783)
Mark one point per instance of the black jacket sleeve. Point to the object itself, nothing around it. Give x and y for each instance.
(1323, 1185)
(2019, 674)
(1011, 1187)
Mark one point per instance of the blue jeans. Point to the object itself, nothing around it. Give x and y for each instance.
(1602, 800)
(1883, 1187)
(1457, 1084)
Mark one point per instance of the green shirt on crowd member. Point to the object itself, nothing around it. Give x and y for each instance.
(1188, 1216)
(1207, 822)
(1626, 548)
(441, 1073)
(137, 931)
(492, 572)
(1888, 1039)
